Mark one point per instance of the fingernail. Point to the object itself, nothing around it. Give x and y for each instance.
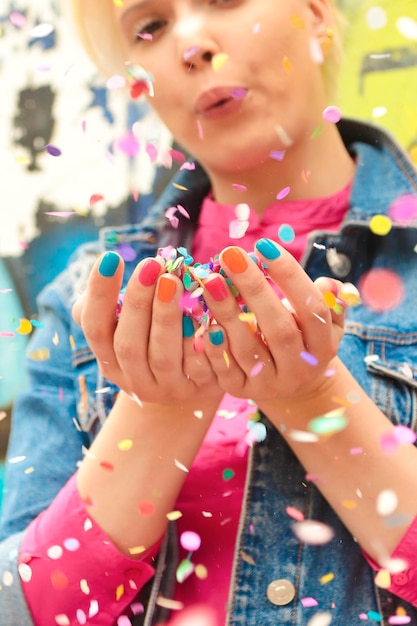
(235, 260)
(166, 289)
(187, 327)
(109, 264)
(217, 289)
(216, 337)
(149, 272)
(268, 249)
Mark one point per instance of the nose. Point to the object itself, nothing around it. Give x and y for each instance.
(196, 47)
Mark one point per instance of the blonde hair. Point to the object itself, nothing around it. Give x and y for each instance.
(95, 24)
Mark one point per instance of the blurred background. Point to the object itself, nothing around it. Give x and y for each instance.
(77, 154)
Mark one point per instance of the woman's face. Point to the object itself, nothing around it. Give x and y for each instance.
(233, 79)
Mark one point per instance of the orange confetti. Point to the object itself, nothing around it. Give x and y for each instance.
(59, 580)
(287, 65)
(297, 21)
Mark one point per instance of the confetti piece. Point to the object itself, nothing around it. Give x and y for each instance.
(349, 294)
(309, 602)
(146, 508)
(404, 435)
(332, 114)
(226, 358)
(184, 570)
(327, 578)
(125, 445)
(381, 290)
(219, 60)
(399, 620)
(283, 193)
(200, 129)
(42, 30)
(137, 550)
(174, 515)
(297, 21)
(323, 618)
(59, 580)
(303, 436)
(380, 225)
(257, 369)
(228, 474)
(374, 615)
(313, 532)
(349, 504)
(120, 592)
(404, 209)
(309, 358)
(25, 572)
(62, 620)
(287, 65)
(201, 571)
(53, 150)
(386, 502)
(286, 233)
(237, 229)
(190, 541)
(328, 424)
(123, 620)
(17, 19)
(294, 513)
(383, 579)
(181, 466)
(167, 603)
(237, 187)
(25, 327)
(55, 552)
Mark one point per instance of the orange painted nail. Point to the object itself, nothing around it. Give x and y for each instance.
(235, 260)
(166, 289)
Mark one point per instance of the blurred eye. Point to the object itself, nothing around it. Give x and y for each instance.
(149, 30)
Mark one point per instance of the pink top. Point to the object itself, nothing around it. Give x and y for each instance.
(59, 543)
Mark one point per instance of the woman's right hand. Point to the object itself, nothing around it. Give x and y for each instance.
(144, 352)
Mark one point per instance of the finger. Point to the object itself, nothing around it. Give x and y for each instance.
(245, 345)
(217, 348)
(196, 365)
(133, 329)
(97, 310)
(165, 351)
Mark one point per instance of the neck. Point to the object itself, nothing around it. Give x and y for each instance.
(315, 168)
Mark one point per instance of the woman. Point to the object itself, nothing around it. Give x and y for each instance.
(307, 516)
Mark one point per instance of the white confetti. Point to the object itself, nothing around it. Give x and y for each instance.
(386, 502)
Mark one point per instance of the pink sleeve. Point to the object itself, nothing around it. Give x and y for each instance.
(71, 571)
(404, 583)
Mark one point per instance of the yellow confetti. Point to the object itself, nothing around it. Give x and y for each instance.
(174, 515)
(201, 572)
(287, 65)
(383, 579)
(219, 60)
(72, 342)
(25, 327)
(118, 3)
(180, 187)
(29, 470)
(330, 299)
(84, 586)
(55, 339)
(41, 354)
(349, 504)
(226, 358)
(380, 225)
(119, 592)
(137, 550)
(297, 21)
(125, 445)
(349, 294)
(326, 578)
(22, 160)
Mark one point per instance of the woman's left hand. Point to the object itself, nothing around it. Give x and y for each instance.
(301, 331)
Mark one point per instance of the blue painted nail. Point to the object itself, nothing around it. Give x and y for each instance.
(187, 327)
(216, 337)
(268, 249)
(109, 264)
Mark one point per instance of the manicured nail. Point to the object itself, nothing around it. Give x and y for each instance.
(166, 288)
(216, 337)
(235, 260)
(187, 327)
(149, 272)
(217, 289)
(109, 264)
(268, 249)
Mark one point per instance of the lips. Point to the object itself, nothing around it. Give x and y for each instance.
(217, 98)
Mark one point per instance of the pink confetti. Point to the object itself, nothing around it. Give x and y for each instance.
(190, 541)
(238, 187)
(381, 290)
(399, 620)
(309, 602)
(116, 82)
(404, 209)
(238, 228)
(283, 193)
(389, 444)
(405, 435)
(187, 166)
(332, 114)
(17, 19)
(123, 620)
(128, 144)
(146, 37)
(308, 358)
(356, 451)
(152, 152)
(277, 155)
(295, 513)
(200, 129)
(257, 369)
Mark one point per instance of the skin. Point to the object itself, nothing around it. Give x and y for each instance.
(162, 369)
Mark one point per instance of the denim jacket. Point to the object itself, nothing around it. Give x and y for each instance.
(380, 349)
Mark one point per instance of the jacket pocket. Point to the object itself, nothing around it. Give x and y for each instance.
(391, 364)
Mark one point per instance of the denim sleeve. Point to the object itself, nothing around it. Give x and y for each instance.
(13, 608)
(45, 441)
